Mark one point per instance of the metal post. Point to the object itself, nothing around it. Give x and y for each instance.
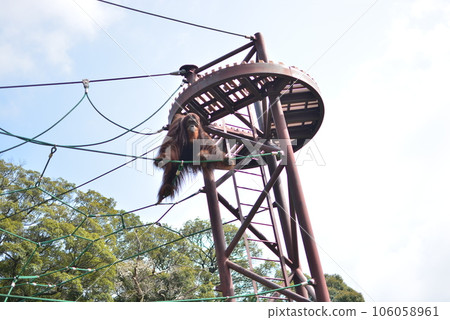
(280, 199)
(300, 204)
(278, 190)
(226, 283)
(281, 206)
(296, 188)
(267, 283)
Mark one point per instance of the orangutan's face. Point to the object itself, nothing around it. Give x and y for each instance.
(192, 129)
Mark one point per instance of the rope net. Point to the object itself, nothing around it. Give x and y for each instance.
(59, 243)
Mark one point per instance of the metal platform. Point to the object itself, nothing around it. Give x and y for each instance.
(226, 91)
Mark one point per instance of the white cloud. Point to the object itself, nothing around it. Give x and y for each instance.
(13, 61)
(386, 176)
(36, 35)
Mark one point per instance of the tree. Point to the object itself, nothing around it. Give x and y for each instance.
(59, 242)
(340, 291)
(48, 242)
(184, 269)
(160, 269)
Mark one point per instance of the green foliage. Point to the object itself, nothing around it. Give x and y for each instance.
(185, 269)
(46, 242)
(340, 291)
(59, 242)
(62, 243)
(159, 271)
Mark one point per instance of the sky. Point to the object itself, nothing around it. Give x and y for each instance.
(376, 174)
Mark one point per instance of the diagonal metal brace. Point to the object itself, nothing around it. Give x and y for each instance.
(254, 209)
(267, 283)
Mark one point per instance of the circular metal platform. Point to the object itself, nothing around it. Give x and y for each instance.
(225, 91)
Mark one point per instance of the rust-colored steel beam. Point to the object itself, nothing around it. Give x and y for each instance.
(296, 191)
(281, 206)
(260, 46)
(288, 293)
(270, 245)
(226, 282)
(253, 211)
(300, 277)
(309, 241)
(224, 57)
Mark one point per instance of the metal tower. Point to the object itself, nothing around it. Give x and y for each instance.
(276, 108)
